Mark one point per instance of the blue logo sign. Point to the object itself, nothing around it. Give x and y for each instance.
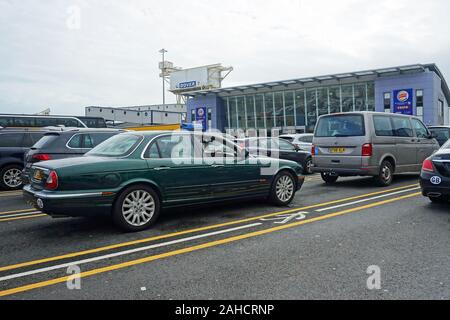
(403, 101)
(187, 85)
(201, 117)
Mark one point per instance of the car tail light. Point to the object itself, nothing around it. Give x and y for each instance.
(42, 157)
(52, 181)
(428, 166)
(313, 150)
(367, 150)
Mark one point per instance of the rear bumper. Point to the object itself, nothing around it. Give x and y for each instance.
(431, 190)
(369, 171)
(68, 203)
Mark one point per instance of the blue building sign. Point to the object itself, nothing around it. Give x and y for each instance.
(187, 85)
(403, 101)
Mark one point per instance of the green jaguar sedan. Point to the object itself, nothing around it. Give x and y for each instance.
(133, 176)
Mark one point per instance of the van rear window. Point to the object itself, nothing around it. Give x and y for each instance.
(341, 126)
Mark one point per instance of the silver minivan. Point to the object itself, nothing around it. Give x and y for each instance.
(370, 144)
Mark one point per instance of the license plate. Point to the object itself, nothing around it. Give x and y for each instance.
(38, 176)
(337, 150)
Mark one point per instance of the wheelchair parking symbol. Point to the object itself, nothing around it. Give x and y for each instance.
(285, 218)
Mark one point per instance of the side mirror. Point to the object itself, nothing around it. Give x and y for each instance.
(297, 148)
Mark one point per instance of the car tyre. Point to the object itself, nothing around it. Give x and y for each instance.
(386, 175)
(308, 167)
(136, 209)
(283, 189)
(10, 177)
(329, 178)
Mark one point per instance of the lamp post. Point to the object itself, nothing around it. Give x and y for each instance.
(163, 70)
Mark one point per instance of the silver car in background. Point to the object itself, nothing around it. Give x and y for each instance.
(301, 140)
(370, 144)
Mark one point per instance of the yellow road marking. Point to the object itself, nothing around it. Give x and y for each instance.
(198, 247)
(17, 211)
(171, 235)
(23, 218)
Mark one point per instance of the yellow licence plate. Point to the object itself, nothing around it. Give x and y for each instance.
(337, 150)
(38, 175)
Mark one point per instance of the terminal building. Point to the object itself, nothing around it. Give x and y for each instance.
(294, 105)
(168, 114)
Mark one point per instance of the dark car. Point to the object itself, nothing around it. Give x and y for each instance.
(279, 148)
(134, 175)
(435, 175)
(441, 133)
(14, 144)
(65, 143)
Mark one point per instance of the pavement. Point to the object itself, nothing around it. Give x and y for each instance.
(328, 244)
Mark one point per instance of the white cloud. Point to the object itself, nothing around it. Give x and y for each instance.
(112, 59)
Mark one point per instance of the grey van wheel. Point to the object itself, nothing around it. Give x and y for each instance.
(386, 175)
(329, 178)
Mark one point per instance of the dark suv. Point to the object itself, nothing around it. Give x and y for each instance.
(65, 143)
(14, 144)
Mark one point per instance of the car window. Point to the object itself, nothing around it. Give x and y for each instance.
(76, 141)
(97, 138)
(442, 134)
(175, 146)
(290, 139)
(46, 140)
(35, 137)
(152, 152)
(88, 142)
(421, 130)
(402, 127)
(282, 145)
(11, 140)
(218, 149)
(383, 126)
(118, 146)
(341, 126)
(308, 139)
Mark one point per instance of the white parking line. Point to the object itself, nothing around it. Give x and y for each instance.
(19, 215)
(365, 200)
(122, 253)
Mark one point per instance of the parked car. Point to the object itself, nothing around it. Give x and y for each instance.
(303, 141)
(441, 133)
(63, 143)
(279, 148)
(435, 175)
(132, 176)
(370, 144)
(13, 146)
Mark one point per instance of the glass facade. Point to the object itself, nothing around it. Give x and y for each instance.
(300, 108)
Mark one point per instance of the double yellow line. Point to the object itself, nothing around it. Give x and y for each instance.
(194, 248)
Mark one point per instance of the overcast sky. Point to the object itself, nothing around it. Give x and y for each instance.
(68, 54)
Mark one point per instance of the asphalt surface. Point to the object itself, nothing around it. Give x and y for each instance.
(319, 248)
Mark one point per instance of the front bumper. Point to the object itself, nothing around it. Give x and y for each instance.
(434, 190)
(70, 204)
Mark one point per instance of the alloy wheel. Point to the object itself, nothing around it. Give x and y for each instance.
(138, 208)
(12, 178)
(285, 188)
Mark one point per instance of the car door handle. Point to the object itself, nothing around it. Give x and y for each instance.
(162, 168)
(218, 166)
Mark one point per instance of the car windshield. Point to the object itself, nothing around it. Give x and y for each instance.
(117, 146)
(341, 126)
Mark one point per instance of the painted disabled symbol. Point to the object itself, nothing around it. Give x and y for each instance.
(285, 218)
